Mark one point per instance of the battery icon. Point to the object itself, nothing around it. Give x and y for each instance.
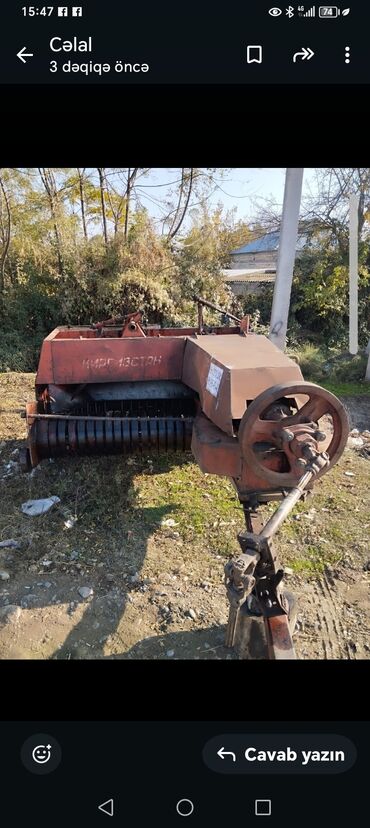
(329, 12)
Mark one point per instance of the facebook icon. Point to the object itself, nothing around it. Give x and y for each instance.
(76, 11)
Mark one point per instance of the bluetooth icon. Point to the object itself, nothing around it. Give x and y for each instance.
(289, 11)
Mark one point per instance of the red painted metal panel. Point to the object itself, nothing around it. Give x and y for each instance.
(111, 360)
(214, 451)
(226, 371)
(45, 366)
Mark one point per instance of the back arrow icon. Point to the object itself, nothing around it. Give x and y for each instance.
(222, 753)
(306, 53)
(107, 807)
(22, 54)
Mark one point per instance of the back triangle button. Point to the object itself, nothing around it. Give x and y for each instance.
(107, 807)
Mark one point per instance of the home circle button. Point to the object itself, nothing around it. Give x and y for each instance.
(185, 807)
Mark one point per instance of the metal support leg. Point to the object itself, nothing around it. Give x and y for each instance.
(279, 640)
(263, 580)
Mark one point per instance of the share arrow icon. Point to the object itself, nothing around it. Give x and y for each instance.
(107, 807)
(305, 54)
(22, 54)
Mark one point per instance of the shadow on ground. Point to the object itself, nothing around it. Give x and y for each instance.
(105, 551)
(200, 644)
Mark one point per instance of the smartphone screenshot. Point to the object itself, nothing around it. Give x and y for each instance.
(184, 413)
(184, 773)
(243, 45)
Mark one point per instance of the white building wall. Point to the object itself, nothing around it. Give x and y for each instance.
(263, 260)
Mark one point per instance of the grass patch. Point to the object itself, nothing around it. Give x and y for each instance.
(116, 500)
(347, 389)
(333, 524)
(341, 373)
(120, 503)
(204, 507)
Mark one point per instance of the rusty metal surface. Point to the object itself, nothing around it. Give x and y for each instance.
(279, 640)
(90, 354)
(214, 451)
(219, 453)
(293, 435)
(239, 582)
(75, 361)
(254, 579)
(133, 325)
(214, 330)
(254, 589)
(227, 371)
(31, 410)
(102, 330)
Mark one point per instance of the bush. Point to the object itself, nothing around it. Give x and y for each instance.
(311, 362)
(15, 355)
(319, 299)
(28, 316)
(261, 302)
(321, 365)
(346, 367)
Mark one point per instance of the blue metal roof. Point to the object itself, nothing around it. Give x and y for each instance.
(268, 242)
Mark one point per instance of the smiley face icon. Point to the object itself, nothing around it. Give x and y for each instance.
(41, 754)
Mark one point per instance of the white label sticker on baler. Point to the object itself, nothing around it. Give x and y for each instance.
(214, 378)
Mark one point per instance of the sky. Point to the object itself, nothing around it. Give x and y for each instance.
(241, 188)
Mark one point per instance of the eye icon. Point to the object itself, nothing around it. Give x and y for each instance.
(275, 12)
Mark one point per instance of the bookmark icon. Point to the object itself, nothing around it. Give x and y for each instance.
(254, 54)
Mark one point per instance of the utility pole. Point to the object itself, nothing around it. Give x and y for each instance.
(367, 375)
(286, 256)
(353, 273)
